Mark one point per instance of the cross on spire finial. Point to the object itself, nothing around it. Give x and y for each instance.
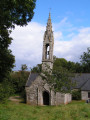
(49, 10)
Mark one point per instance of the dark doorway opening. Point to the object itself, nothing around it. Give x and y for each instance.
(45, 98)
(88, 94)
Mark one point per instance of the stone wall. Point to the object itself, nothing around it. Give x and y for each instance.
(60, 98)
(68, 98)
(84, 95)
(35, 94)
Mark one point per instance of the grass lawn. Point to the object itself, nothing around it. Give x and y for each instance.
(77, 110)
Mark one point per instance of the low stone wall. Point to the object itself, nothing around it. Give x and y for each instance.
(68, 98)
(84, 95)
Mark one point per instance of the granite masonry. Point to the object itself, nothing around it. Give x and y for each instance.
(38, 92)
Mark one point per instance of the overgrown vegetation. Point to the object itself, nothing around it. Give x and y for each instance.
(12, 12)
(6, 90)
(15, 84)
(76, 94)
(77, 110)
(60, 79)
(85, 60)
(62, 70)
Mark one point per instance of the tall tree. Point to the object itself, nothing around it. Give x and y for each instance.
(59, 79)
(23, 67)
(37, 69)
(12, 12)
(85, 60)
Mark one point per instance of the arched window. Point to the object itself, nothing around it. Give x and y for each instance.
(47, 51)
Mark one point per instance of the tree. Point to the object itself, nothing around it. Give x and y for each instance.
(68, 65)
(76, 94)
(23, 67)
(60, 62)
(59, 79)
(18, 80)
(78, 68)
(85, 60)
(12, 12)
(37, 69)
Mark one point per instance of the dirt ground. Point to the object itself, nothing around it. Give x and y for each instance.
(15, 98)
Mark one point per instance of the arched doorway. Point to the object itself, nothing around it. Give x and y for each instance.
(46, 99)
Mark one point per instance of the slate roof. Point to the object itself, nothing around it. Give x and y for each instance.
(86, 86)
(82, 80)
(31, 78)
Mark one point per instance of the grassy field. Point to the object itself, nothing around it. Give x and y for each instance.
(77, 110)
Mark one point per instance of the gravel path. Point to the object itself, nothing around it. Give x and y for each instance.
(15, 98)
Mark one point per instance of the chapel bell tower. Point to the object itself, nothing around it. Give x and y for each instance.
(48, 43)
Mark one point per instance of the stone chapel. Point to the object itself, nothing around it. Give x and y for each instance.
(38, 92)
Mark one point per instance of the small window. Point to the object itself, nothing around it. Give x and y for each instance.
(88, 94)
(47, 51)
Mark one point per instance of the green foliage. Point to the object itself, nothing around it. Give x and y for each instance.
(23, 95)
(6, 90)
(12, 12)
(78, 68)
(18, 80)
(3, 93)
(59, 62)
(77, 110)
(6, 63)
(14, 84)
(59, 79)
(70, 66)
(17, 12)
(76, 95)
(85, 60)
(37, 69)
(24, 67)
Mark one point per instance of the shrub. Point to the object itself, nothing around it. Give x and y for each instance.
(76, 95)
(23, 95)
(5, 91)
(18, 80)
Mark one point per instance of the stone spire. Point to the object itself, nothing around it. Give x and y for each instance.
(49, 24)
(48, 43)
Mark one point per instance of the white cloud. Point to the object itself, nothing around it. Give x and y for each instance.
(70, 35)
(71, 50)
(27, 44)
(63, 25)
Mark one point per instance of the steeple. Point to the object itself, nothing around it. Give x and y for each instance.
(49, 24)
(48, 42)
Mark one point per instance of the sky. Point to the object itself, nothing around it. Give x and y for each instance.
(71, 26)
